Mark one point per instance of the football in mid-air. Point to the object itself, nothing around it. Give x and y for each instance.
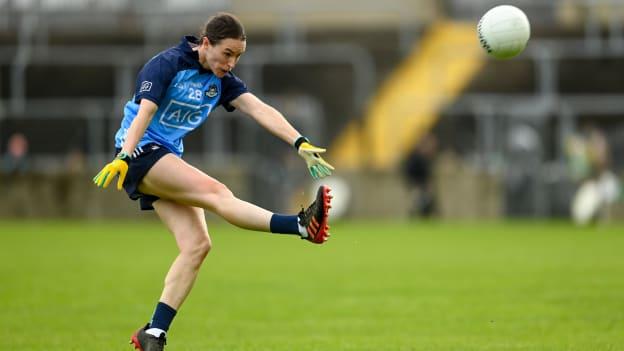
(504, 31)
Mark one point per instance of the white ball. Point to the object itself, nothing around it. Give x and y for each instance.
(586, 203)
(504, 31)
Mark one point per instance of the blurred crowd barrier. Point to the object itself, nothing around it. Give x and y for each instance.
(372, 195)
(461, 192)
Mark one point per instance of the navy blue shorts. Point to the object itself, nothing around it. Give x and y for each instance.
(143, 159)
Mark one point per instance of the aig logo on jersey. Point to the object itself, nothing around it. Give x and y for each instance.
(212, 91)
(185, 116)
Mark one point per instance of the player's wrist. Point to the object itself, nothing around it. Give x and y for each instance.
(124, 156)
(300, 140)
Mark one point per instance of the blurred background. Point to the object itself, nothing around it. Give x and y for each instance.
(417, 120)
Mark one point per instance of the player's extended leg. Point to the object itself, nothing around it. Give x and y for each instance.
(174, 179)
(188, 226)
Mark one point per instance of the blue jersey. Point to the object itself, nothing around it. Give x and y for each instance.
(185, 94)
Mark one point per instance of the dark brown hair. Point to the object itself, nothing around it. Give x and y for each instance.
(221, 26)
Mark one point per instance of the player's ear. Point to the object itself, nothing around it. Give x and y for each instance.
(205, 42)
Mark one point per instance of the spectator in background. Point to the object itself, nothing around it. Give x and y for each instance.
(417, 170)
(601, 166)
(590, 161)
(75, 161)
(69, 192)
(597, 152)
(14, 189)
(15, 160)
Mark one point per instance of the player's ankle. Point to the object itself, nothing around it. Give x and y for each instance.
(156, 332)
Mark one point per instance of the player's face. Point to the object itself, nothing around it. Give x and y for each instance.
(223, 56)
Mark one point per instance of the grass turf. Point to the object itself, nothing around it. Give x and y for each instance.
(375, 286)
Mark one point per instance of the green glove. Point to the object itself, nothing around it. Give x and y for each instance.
(118, 166)
(318, 167)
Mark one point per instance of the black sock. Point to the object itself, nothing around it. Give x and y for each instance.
(163, 316)
(282, 224)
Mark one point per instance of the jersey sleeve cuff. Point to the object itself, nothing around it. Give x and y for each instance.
(147, 97)
(227, 106)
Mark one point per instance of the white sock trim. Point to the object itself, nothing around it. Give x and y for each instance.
(302, 230)
(156, 332)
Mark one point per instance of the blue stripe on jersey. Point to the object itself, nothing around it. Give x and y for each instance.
(185, 93)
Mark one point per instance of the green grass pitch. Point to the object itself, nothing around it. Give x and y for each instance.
(395, 286)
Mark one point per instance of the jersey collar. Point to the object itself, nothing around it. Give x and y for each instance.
(186, 45)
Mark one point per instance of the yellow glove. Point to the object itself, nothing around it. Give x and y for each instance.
(318, 167)
(118, 166)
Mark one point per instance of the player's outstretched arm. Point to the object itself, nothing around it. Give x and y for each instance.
(119, 166)
(273, 121)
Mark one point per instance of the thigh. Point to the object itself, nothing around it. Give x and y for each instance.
(186, 223)
(174, 179)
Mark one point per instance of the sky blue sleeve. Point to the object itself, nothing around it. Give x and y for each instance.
(231, 87)
(154, 79)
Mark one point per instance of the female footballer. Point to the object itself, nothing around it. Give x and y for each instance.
(175, 92)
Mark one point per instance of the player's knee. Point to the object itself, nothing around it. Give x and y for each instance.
(223, 192)
(216, 193)
(198, 248)
(203, 246)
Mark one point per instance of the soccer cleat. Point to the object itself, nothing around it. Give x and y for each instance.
(314, 218)
(143, 341)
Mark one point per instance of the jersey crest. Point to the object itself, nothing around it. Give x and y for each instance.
(212, 91)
